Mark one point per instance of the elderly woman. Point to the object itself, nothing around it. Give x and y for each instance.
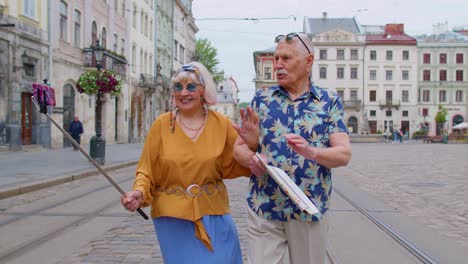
(187, 154)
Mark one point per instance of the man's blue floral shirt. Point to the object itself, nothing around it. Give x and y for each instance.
(314, 116)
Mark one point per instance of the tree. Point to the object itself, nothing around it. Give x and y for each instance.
(441, 117)
(243, 105)
(206, 54)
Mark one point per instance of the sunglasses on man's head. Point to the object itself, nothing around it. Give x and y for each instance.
(191, 87)
(289, 37)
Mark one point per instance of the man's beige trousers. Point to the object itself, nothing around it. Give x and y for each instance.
(271, 241)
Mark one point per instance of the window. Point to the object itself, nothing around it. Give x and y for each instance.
(182, 54)
(459, 58)
(405, 113)
(77, 29)
(176, 46)
(116, 42)
(122, 47)
(134, 58)
(459, 96)
(388, 75)
(442, 96)
(459, 74)
(372, 95)
(388, 97)
(151, 29)
(372, 75)
(405, 96)
(267, 75)
(405, 55)
(372, 113)
(29, 70)
(373, 55)
(353, 95)
(425, 112)
(353, 73)
(426, 58)
(104, 38)
(426, 96)
(340, 54)
(426, 75)
(405, 75)
(442, 75)
(93, 33)
(142, 22)
(29, 8)
(443, 58)
(388, 113)
(124, 10)
(116, 5)
(354, 54)
(63, 20)
(340, 73)
(134, 18)
(323, 54)
(323, 72)
(389, 55)
(340, 93)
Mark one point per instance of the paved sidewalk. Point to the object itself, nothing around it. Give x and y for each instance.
(23, 172)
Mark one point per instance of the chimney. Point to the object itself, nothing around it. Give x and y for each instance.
(394, 29)
(324, 15)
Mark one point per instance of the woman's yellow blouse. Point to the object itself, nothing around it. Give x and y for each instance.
(172, 160)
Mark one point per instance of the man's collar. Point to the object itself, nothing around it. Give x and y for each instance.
(313, 91)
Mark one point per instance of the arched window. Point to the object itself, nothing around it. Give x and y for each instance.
(104, 38)
(457, 120)
(353, 125)
(93, 33)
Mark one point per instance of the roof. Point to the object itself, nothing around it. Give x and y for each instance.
(390, 39)
(319, 25)
(394, 34)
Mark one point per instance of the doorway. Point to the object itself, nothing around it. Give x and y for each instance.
(353, 125)
(26, 118)
(68, 110)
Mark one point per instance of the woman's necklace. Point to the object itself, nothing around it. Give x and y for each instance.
(196, 130)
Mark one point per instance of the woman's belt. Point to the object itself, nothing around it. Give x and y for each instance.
(193, 190)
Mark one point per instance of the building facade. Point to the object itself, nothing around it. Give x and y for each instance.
(184, 34)
(24, 60)
(265, 76)
(390, 81)
(443, 73)
(338, 66)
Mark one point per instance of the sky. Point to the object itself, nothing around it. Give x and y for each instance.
(236, 38)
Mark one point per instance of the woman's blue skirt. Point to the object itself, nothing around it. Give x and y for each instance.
(179, 245)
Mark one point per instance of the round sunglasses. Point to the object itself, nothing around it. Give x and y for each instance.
(191, 87)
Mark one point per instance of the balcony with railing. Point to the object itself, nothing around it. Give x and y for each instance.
(353, 103)
(389, 104)
(147, 82)
(110, 61)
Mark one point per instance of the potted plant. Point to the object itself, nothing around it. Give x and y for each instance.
(99, 81)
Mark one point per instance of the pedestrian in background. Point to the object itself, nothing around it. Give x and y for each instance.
(76, 130)
(301, 130)
(186, 156)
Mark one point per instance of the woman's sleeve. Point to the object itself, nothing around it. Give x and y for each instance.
(232, 169)
(146, 176)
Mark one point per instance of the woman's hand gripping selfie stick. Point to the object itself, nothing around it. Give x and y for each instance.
(44, 111)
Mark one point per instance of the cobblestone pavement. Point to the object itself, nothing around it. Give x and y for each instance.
(428, 182)
(134, 240)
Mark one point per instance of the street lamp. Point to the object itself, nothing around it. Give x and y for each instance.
(98, 144)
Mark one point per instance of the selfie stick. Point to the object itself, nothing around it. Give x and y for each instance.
(65, 133)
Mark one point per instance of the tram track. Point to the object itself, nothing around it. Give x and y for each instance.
(411, 247)
(28, 245)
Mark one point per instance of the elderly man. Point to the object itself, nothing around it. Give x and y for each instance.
(76, 130)
(299, 128)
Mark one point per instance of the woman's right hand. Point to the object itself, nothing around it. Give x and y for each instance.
(131, 200)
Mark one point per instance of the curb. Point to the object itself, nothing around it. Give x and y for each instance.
(22, 189)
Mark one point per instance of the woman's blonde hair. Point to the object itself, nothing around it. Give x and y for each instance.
(197, 72)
